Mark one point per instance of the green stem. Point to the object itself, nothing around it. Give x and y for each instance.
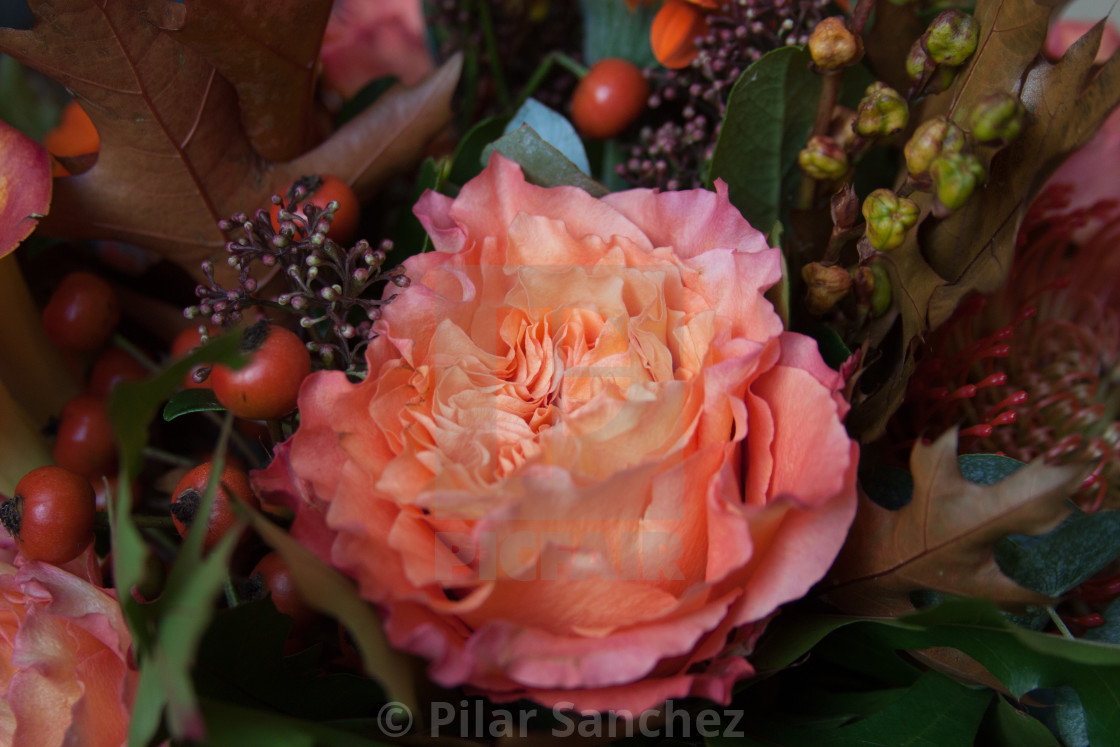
(492, 52)
(543, 69)
(1058, 623)
(136, 353)
(175, 460)
(826, 105)
(230, 593)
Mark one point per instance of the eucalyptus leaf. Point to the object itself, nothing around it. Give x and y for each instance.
(554, 129)
(1110, 631)
(611, 29)
(987, 469)
(1066, 556)
(543, 165)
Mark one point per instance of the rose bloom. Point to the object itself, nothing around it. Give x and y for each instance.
(587, 464)
(65, 663)
(367, 40)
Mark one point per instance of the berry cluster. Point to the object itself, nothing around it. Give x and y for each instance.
(329, 287)
(691, 101)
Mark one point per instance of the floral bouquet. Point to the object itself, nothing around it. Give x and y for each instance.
(484, 372)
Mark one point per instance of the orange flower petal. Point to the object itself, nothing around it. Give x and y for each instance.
(674, 31)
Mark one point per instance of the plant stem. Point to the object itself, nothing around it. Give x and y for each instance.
(175, 460)
(1058, 623)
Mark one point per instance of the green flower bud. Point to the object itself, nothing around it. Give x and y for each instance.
(918, 62)
(955, 177)
(920, 66)
(882, 111)
(997, 117)
(833, 46)
(881, 292)
(888, 218)
(823, 159)
(827, 286)
(932, 138)
(952, 37)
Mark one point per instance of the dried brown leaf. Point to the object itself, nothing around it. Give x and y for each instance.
(944, 539)
(175, 154)
(273, 73)
(972, 250)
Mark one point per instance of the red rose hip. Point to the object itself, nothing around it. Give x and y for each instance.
(267, 387)
(51, 514)
(81, 313)
(187, 499)
(609, 98)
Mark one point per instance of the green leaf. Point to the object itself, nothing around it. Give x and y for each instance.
(610, 29)
(1064, 557)
(327, 590)
(132, 406)
(543, 165)
(190, 400)
(236, 726)
(554, 129)
(31, 109)
(934, 712)
(831, 345)
(241, 660)
(409, 238)
(467, 161)
(770, 112)
(1007, 726)
(1022, 660)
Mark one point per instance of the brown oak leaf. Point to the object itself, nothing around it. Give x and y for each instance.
(944, 539)
(943, 261)
(178, 116)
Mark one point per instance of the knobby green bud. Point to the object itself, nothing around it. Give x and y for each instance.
(918, 62)
(827, 286)
(932, 138)
(882, 111)
(888, 218)
(952, 37)
(823, 159)
(997, 117)
(833, 46)
(920, 66)
(955, 177)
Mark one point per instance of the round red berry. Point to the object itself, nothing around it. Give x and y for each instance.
(321, 190)
(609, 98)
(82, 313)
(268, 386)
(112, 367)
(184, 344)
(85, 442)
(51, 514)
(271, 574)
(187, 499)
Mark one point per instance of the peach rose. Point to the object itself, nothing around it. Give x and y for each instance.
(587, 464)
(368, 40)
(65, 663)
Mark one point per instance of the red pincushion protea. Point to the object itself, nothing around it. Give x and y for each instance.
(1034, 370)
